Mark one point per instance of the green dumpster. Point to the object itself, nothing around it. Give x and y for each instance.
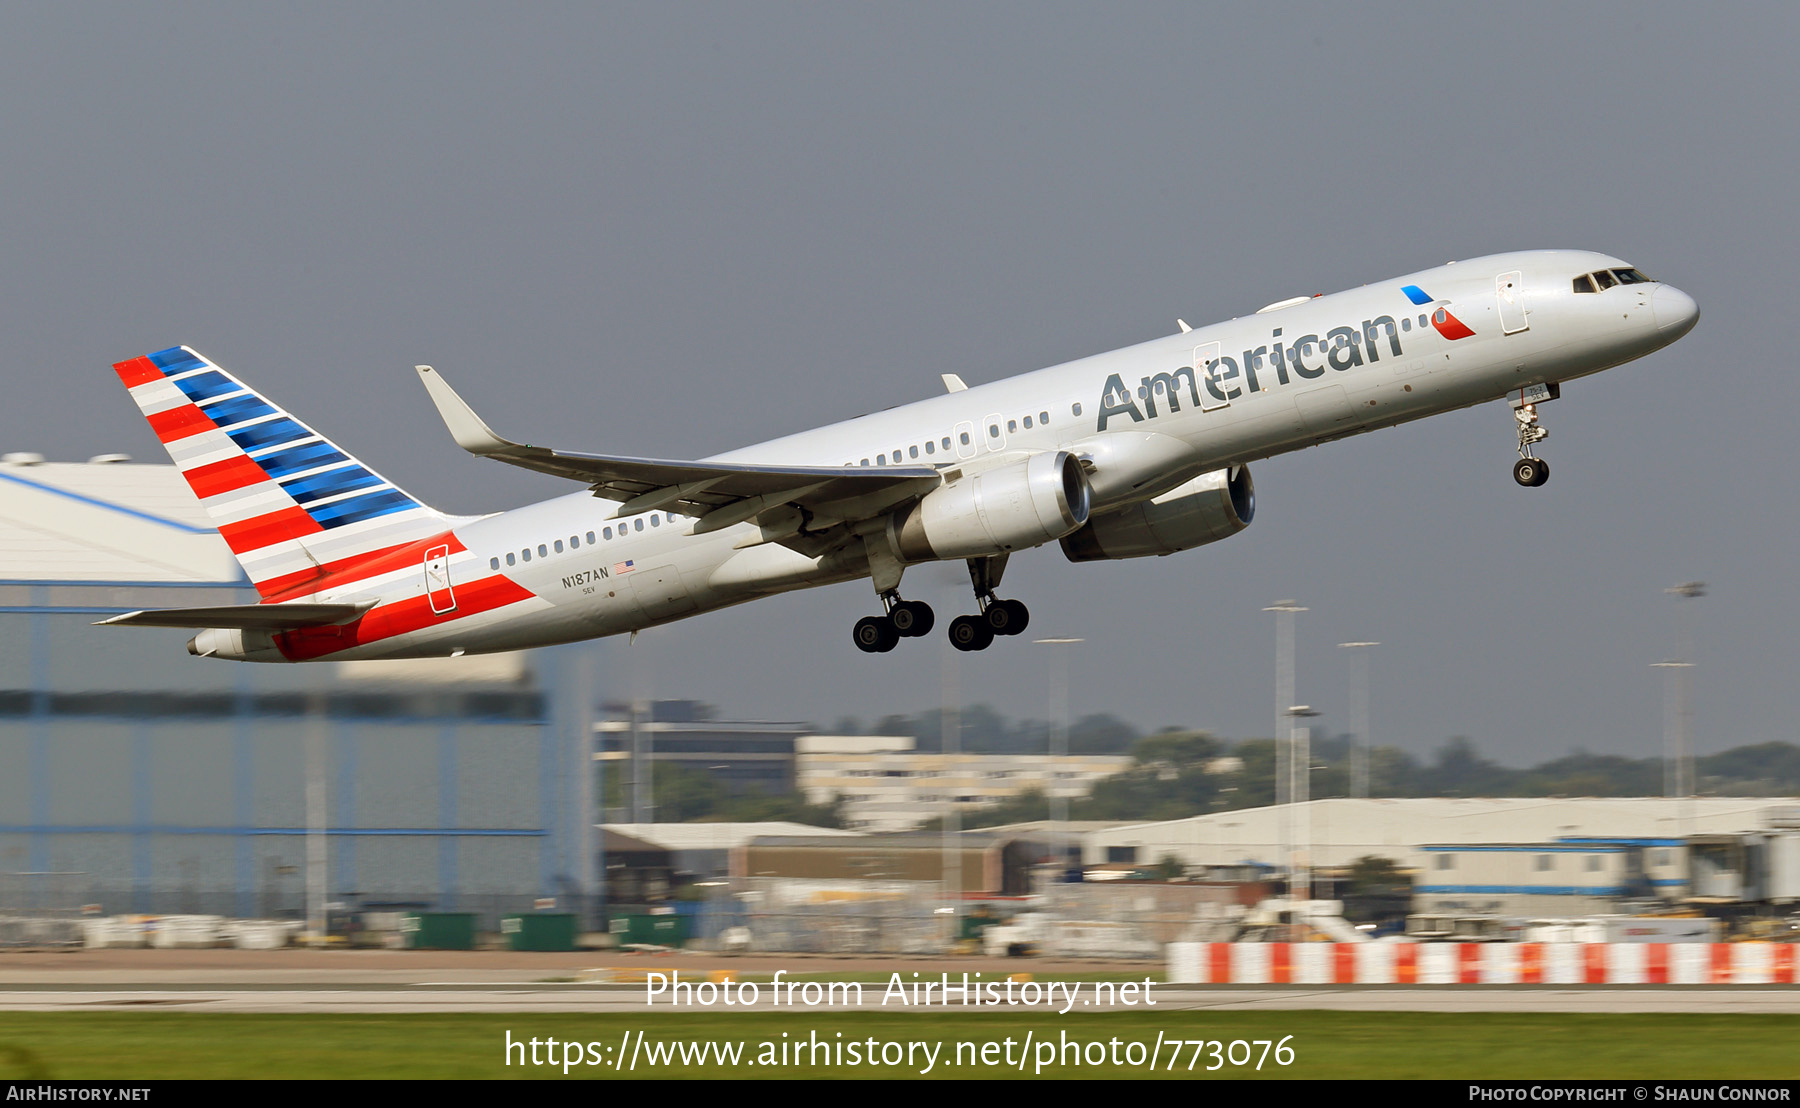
(540, 931)
(439, 931)
(668, 930)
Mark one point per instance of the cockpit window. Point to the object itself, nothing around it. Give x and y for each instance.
(1585, 283)
(1605, 279)
(1630, 277)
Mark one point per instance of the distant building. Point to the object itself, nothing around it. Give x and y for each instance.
(747, 756)
(167, 783)
(1413, 832)
(886, 786)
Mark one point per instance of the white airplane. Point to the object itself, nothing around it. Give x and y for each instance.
(1137, 452)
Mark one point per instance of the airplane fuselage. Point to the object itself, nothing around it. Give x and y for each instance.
(1143, 420)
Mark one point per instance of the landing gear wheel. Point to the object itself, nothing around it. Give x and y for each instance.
(970, 633)
(1007, 617)
(875, 634)
(912, 619)
(1531, 472)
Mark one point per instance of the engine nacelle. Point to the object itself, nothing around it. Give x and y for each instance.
(1026, 504)
(1211, 507)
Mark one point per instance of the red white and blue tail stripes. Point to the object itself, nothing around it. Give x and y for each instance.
(292, 506)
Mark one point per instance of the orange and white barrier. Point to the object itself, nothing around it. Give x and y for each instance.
(1380, 963)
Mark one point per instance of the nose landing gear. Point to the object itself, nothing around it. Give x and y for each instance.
(1530, 470)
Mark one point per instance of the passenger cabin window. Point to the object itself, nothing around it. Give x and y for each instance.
(1585, 283)
(654, 522)
(993, 430)
(946, 442)
(1406, 324)
(1028, 423)
(542, 552)
(1044, 418)
(965, 438)
(1012, 426)
(637, 524)
(493, 563)
(931, 448)
(591, 537)
(509, 559)
(559, 546)
(526, 554)
(881, 459)
(1074, 410)
(913, 451)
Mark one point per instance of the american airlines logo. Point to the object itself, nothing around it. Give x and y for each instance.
(1226, 378)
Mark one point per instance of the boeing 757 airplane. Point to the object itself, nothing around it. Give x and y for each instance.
(1138, 452)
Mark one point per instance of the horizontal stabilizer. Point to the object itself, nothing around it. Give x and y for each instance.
(248, 617)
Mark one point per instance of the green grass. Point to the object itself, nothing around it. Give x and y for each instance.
(1327, 1044)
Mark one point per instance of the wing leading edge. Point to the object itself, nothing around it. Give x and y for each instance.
(718, 493)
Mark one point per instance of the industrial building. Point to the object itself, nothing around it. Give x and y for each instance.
(885, 785)
(1419, 833)
(137, 779)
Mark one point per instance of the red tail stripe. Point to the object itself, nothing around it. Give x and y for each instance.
(179, 423)
(356, 567)
(264, 530)
(230, 475)
(137, 371)
(399, 618)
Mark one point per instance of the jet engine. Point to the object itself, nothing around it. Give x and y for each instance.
(1025, 504)
(1206, 509)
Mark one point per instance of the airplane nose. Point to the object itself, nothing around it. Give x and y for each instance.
(1675, 311)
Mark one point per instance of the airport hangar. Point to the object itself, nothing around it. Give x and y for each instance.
(142, 780)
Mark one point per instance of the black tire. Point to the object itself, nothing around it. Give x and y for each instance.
(970, 633)
(1008, 617)
(1543, 473)
(912, 619)
(875, 634)
(1526, 470)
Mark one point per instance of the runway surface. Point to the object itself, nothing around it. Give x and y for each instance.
(495, 981)
(568, 998)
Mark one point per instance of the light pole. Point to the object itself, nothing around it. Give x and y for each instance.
(1678, 719)
(1300, 792)
(1284, 699)
(1359, 716)
(1059, 746)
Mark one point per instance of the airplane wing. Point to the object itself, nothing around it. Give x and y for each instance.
(248, 617)
(719, 493)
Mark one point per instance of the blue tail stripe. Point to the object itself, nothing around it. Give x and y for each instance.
(318, 487)
(359, 508)
(1416, 294)
(312, 455)
(204, 386)
(268, 434)
(237, 409)
(175, 360)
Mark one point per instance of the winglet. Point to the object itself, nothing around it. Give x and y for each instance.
(468, 429)
(953, 383)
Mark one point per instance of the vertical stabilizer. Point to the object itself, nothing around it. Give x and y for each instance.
(292, 506)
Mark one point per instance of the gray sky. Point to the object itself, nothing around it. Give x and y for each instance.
(671, 230)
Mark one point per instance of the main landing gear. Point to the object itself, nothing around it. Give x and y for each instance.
(909, 619)
(996, 617)
(905, 619)
(1530, 470)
